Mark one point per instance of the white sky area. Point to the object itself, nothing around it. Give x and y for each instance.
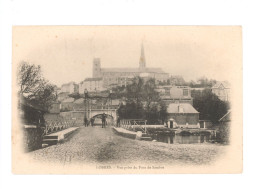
(66, 52)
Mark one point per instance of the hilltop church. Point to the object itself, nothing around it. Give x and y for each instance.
(122, 76)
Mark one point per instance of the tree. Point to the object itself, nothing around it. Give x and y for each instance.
(34, 87)
(202, 82)
(209, 105)
(134, 90)
(143, 102)
(131, 110)
(149, 94)
(45, 96)
(29, 78)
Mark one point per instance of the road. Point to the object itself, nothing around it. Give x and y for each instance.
(103, 146)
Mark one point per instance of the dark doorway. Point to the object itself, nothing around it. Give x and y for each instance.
(171, 124)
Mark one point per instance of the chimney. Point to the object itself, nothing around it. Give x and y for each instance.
(180, 109)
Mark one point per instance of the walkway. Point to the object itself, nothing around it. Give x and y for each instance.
(102, 145)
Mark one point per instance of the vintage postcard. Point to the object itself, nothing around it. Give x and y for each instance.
(127, 99)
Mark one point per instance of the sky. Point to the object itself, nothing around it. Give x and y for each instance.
(66, 53)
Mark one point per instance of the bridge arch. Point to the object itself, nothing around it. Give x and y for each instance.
(112, 113)
(79, 114)
(97, 119)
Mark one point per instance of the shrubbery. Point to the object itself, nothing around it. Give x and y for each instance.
(223, 135)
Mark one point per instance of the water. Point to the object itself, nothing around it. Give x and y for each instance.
(178, 139)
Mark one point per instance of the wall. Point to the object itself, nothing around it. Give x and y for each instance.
(91, 85)
(50, 116)
(55, 108)
(32, 138)
(66, 106)
(206, 124)
(182, 119)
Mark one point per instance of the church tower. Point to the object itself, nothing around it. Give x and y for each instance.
(142, 59)
(96, 72)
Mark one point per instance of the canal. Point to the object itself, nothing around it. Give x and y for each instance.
(183, 139)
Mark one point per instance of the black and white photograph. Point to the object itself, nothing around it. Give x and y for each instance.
(127, 99)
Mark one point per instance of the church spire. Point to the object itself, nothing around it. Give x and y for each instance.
(142, 58)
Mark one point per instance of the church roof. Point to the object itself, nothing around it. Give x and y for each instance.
(133, 70)
(154, 70)
(141, 69)
(120, 70)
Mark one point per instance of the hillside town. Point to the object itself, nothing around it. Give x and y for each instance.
(177, 94)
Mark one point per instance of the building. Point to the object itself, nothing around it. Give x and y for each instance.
(62, 96)
(181, 94)
(70, 88)
(67, 105)
(175, 94)
(122, 76)
(182, 116)
(91, 85)
(222, 90)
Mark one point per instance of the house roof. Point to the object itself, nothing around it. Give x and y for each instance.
(186, 108)
(226, 117)
(224, 83)
(93, 79)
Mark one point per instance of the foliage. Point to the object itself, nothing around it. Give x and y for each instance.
(34, 87)
(167, 82)
(64, 109)
(209, 105)
(135, 90)
(131, 110)
(29, 78)
(202, 82)
(224, 133)
(143, 102)
(45, 96)
(75, 95)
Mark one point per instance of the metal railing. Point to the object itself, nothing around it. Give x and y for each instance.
(52, 126)
(133, 124)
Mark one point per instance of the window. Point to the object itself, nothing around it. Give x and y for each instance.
(185, 92)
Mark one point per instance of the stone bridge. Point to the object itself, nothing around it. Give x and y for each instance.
(94, 113)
